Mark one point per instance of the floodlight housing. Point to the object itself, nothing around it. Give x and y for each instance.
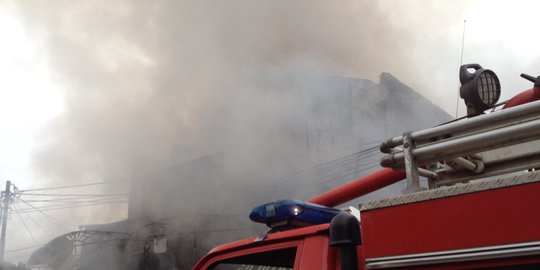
(480, 89)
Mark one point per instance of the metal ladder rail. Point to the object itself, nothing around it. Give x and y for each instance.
(469, 126)
(455, 140)
(449, 149)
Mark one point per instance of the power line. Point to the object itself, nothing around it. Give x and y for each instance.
(357, 161)
(69, 206)
(27, 229)
(341, 176)
(336, 177)
(21, 249)
(57, 204)
(53, 202)
(324, 175)
(39, 226)
(359, 153)
(329, 168)
(53, 208)
(75, 205)
(80, 185)
(337, 174)
(75, 200)
(365, 153)
(354, 155)
(51, 219)
(75, 195)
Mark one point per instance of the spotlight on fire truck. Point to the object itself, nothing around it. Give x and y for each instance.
(481, 90)
(292, 213)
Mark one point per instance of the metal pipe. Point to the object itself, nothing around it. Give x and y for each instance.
(523, 97)
(471, 124)
(465, 163)
(360, 187)
(427, 173)
(487, 140)
(476, 166)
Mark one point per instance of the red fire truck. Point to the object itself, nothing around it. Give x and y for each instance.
(479, 210)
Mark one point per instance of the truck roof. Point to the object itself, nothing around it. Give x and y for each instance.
(272, 237)
(277, 236)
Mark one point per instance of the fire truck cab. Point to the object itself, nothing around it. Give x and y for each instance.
(480, 210)
(305, 248)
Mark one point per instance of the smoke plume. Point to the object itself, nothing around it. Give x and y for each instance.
(151, 84)
(147, 84)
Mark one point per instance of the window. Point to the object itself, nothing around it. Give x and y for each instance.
(281, 259)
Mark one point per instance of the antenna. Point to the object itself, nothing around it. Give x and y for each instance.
(461, 61)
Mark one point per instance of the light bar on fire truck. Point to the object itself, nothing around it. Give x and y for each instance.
(292, 213)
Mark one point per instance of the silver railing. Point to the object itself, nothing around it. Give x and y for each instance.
(486, 145)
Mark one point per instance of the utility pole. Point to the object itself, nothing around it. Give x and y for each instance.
(5, 208)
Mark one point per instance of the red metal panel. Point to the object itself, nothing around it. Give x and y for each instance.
(484, 264)
(317, 254)
(361, 257)
(248, 245)
(486, 218)
(208, 261)
(278, 236)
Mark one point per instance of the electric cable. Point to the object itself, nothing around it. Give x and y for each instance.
(74, 186)
(51, 219)
(27, 229)
(356, 165)
(74, 200)
(342, 165)
(69, 206)
(39, 226)
(342, 176)
(308, 188)
(21, 249)
(75, 195)
(333, 163)
(323, 176)
(319, 171)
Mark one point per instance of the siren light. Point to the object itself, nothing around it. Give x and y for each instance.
(292, 213)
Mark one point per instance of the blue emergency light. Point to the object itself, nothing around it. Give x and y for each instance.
(292, 213)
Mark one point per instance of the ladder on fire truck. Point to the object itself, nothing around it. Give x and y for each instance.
(502, 142)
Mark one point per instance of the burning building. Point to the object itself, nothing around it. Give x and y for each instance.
(201, 198)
